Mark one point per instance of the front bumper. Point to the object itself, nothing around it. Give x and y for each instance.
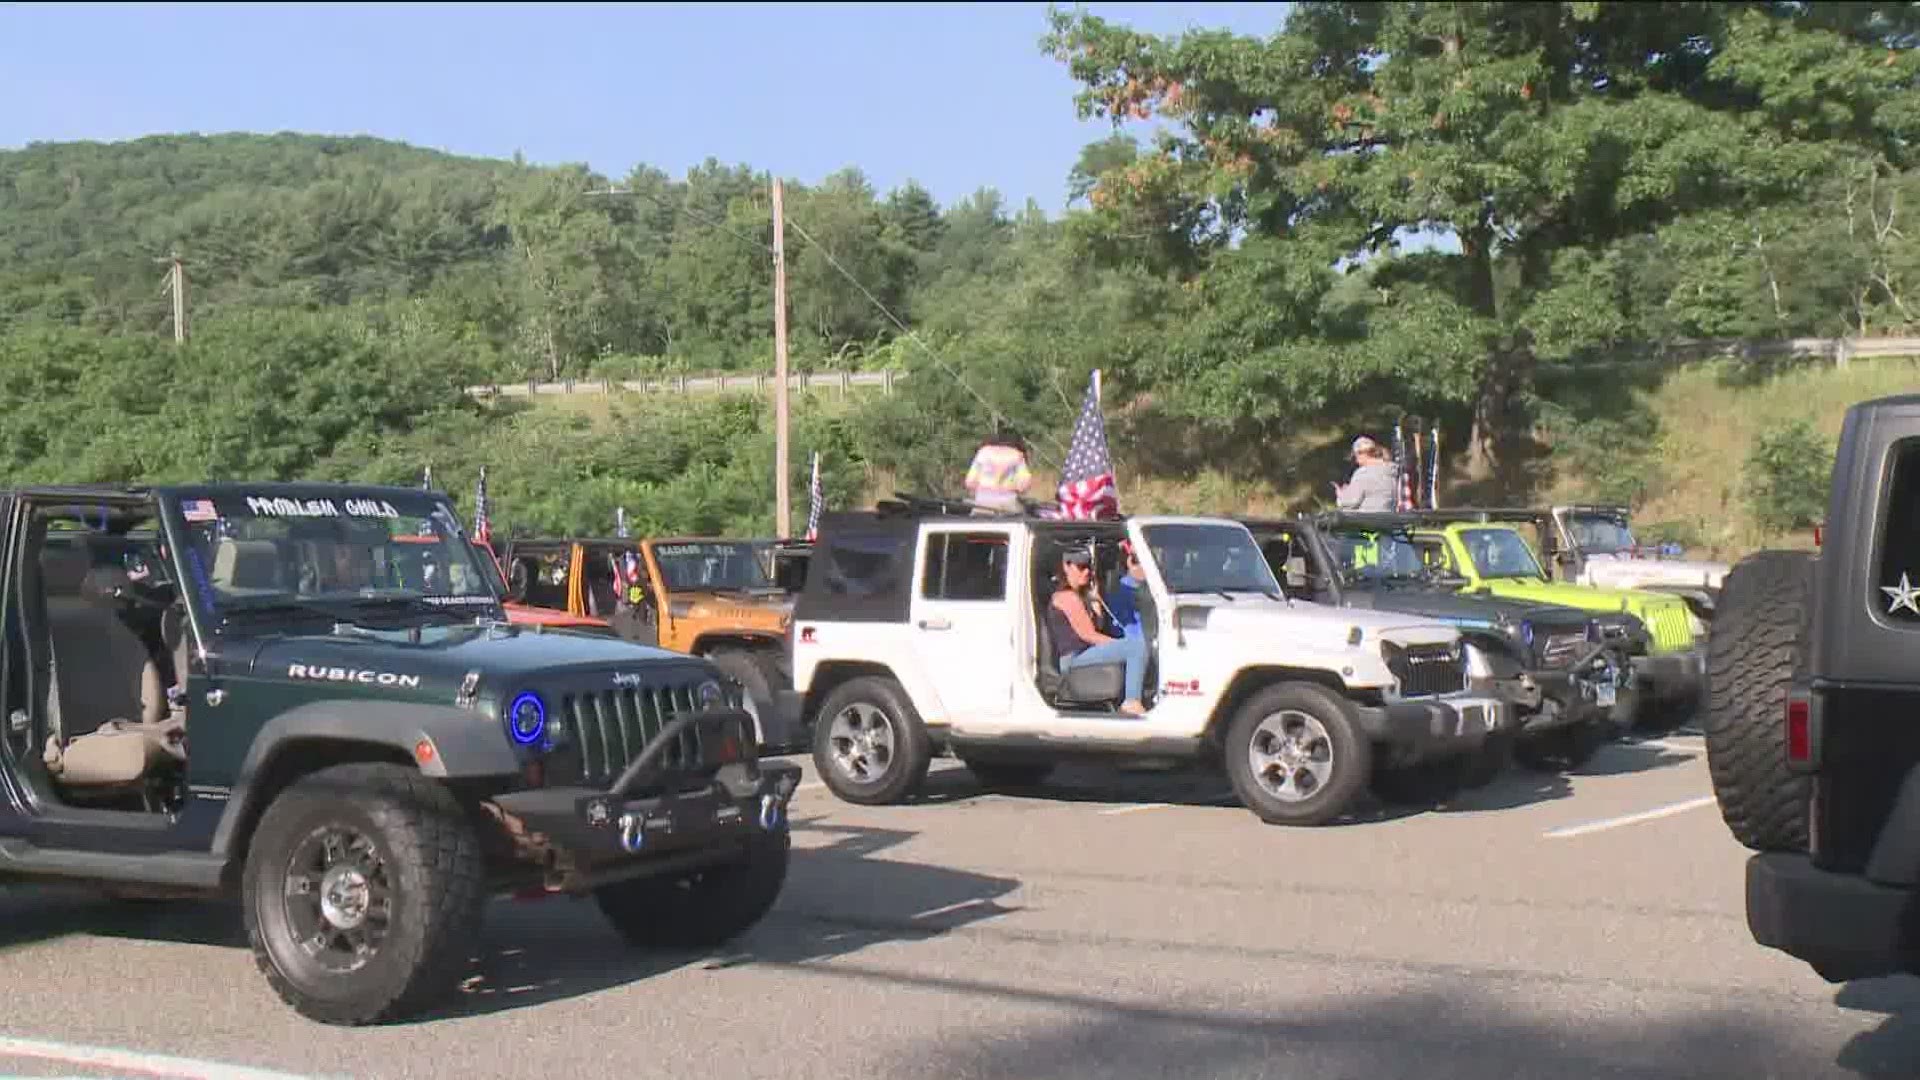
(657, 818)
(1844, 925)
(1433, 727)
(1588, 689)
(1671, 675)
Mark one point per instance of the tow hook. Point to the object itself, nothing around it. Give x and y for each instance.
(773, 805)
(633, 835)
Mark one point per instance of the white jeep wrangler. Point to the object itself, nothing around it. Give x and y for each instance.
(920, 631)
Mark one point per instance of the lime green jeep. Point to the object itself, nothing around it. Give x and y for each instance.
(1495, 559)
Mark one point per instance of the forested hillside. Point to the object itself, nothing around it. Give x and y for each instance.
(1605, 176)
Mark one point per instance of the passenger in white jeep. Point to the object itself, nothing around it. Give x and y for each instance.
(1078, 640)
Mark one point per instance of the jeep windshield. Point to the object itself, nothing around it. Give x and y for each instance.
(1366, 555)
(348, 556)
(1500, 553)
(1600, 534)
(716, 565)
(1210, 559)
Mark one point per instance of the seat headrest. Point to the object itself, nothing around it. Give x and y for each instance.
(246, 564)
(63, 567)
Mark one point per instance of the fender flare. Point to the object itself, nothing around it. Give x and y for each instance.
(466, 744)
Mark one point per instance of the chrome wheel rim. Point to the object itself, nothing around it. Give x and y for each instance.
(862, 739)
(1290, 755)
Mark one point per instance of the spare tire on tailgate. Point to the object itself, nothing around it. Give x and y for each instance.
(1757, 648)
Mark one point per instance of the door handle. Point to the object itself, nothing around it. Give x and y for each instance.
(935, 623)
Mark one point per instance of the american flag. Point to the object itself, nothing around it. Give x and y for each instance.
(1087, 489)
(1402, 472)
(1433, 470)
(819, 501)
(482, 528)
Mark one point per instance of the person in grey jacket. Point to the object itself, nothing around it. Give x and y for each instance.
(1371, 487)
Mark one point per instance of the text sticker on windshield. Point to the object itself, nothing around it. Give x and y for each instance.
(278, 507)
(694, 549)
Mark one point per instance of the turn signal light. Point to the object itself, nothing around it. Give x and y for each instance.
(1799, 730)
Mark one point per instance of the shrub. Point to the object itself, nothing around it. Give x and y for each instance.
(1786, 476)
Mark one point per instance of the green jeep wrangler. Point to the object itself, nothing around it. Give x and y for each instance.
(307, 697)
(1495, 559)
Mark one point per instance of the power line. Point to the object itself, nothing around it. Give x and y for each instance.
(993, 411)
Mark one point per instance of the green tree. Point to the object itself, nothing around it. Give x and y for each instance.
(1539, 136)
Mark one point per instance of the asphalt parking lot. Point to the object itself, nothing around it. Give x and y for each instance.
(1106, 925)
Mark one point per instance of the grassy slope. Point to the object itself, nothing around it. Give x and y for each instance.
(1708, 421)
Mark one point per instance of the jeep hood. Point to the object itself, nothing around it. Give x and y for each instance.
(1625, 571)
(438, 663)
(772, 608)
(1456, 608)
(1586, 597)
(1257, 617)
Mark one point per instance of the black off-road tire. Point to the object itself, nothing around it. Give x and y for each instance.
(432, 867)
(1352, 754)
(755, 673)
(1757, 648)
(1566, 748)
(1485, 765)
(704, 909)
(912, 752)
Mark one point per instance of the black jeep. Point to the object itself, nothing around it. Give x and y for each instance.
(306, 696)
(1567, 671)
(1810, 678)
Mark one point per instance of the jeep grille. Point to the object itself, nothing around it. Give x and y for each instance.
(610, 727)
(1669, 626)
(1429, 669)
(1559, 650)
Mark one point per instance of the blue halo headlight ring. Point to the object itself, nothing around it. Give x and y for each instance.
(527, 718)
(1526, 630)
(709, 694)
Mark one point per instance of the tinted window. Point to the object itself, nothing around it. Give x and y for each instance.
(965, 566)
(1898, 594)
(855, 566)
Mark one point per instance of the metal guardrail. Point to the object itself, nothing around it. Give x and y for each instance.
(1839, 350)
(843, 381)
(1691, 350)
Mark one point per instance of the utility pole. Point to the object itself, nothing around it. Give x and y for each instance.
(782, 518)
(177, 279)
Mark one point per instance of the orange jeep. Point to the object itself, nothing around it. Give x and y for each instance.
(705, 597)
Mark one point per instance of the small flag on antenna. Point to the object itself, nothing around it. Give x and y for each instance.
(819, 500)
(482, 528)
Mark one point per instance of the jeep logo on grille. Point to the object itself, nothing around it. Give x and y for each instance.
(627, 679)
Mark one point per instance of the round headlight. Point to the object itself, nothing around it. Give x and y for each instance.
(527, 718)
(710, 695)
(1526, 631)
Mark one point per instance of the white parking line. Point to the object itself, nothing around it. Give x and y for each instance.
(1629, 819)
(1135, 808)
(133, 1061)
(949, 908)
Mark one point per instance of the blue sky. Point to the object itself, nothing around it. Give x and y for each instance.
(955, 95)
